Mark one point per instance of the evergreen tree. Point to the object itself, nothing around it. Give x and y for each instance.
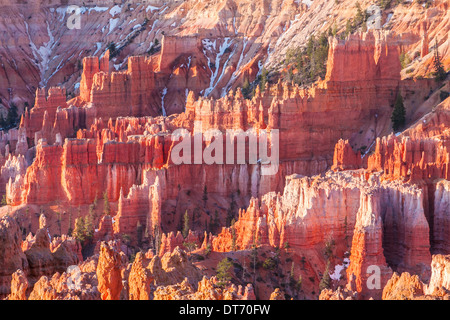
(254, 257)
(112, 49)
(298, 285)
(12, 117)
(233, 236)
(4, 200)
(190, 246)
(208, 249)
(263, 80)
(291, 275)
(95, 201)
(106, 207)
(246, 90)
(303, 261)
(89, 226)
(361, 16)
(398, 117)
(231, 210)
(92, 212)
(205, 194)
(79, 231)
(69, 231)
(2, 121)
(439, 74)
(326, 279)
(157, 239)
(58, 214)
(223, 274)
(185, 231)
(139, 233)
(214, 224)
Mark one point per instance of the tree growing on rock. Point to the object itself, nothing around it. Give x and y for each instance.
(223, 272)
(190, 246)
(325, 282)
(205, 195)
(106, 205)
(186, 228)
(398, 117)
(12, 116)
(79, 232)
(233, 235)
(439, 73)
(157, 239)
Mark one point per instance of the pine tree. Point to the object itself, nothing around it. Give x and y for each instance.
(233, 236)
(12, 116)
(70, 230)
(4, 200)
(89, 226)
(190, 246)
(157, 239)
(185, 231)
(439, 74)
(246, 89)
(298, 285)
(112, 49)
(106, 207)
(263, 82)
(254, 257)
(346, 231)
(360, 16)
(292, 271)
(214, 221)
(95, 201)
(79, 231)
(58, 214)
(223, 274)
(205, 194)
(326, 279)
(398, 117)
(139, 233)
(2, 121)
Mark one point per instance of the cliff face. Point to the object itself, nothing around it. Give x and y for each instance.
(12, 257)
(136, 28)
(409, 287)
(361, 217)
(370, 61)
(367, 250)
(440, 275)
(45, 257)
(419, 155)
(130, 158)
(421, 27)
(282, 107)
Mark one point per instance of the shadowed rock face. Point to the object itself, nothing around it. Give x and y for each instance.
(12, 257)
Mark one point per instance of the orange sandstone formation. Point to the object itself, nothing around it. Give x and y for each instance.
(109, 272)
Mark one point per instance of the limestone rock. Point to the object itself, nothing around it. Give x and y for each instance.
(19, 286)
(109, 272)
(12, 257)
